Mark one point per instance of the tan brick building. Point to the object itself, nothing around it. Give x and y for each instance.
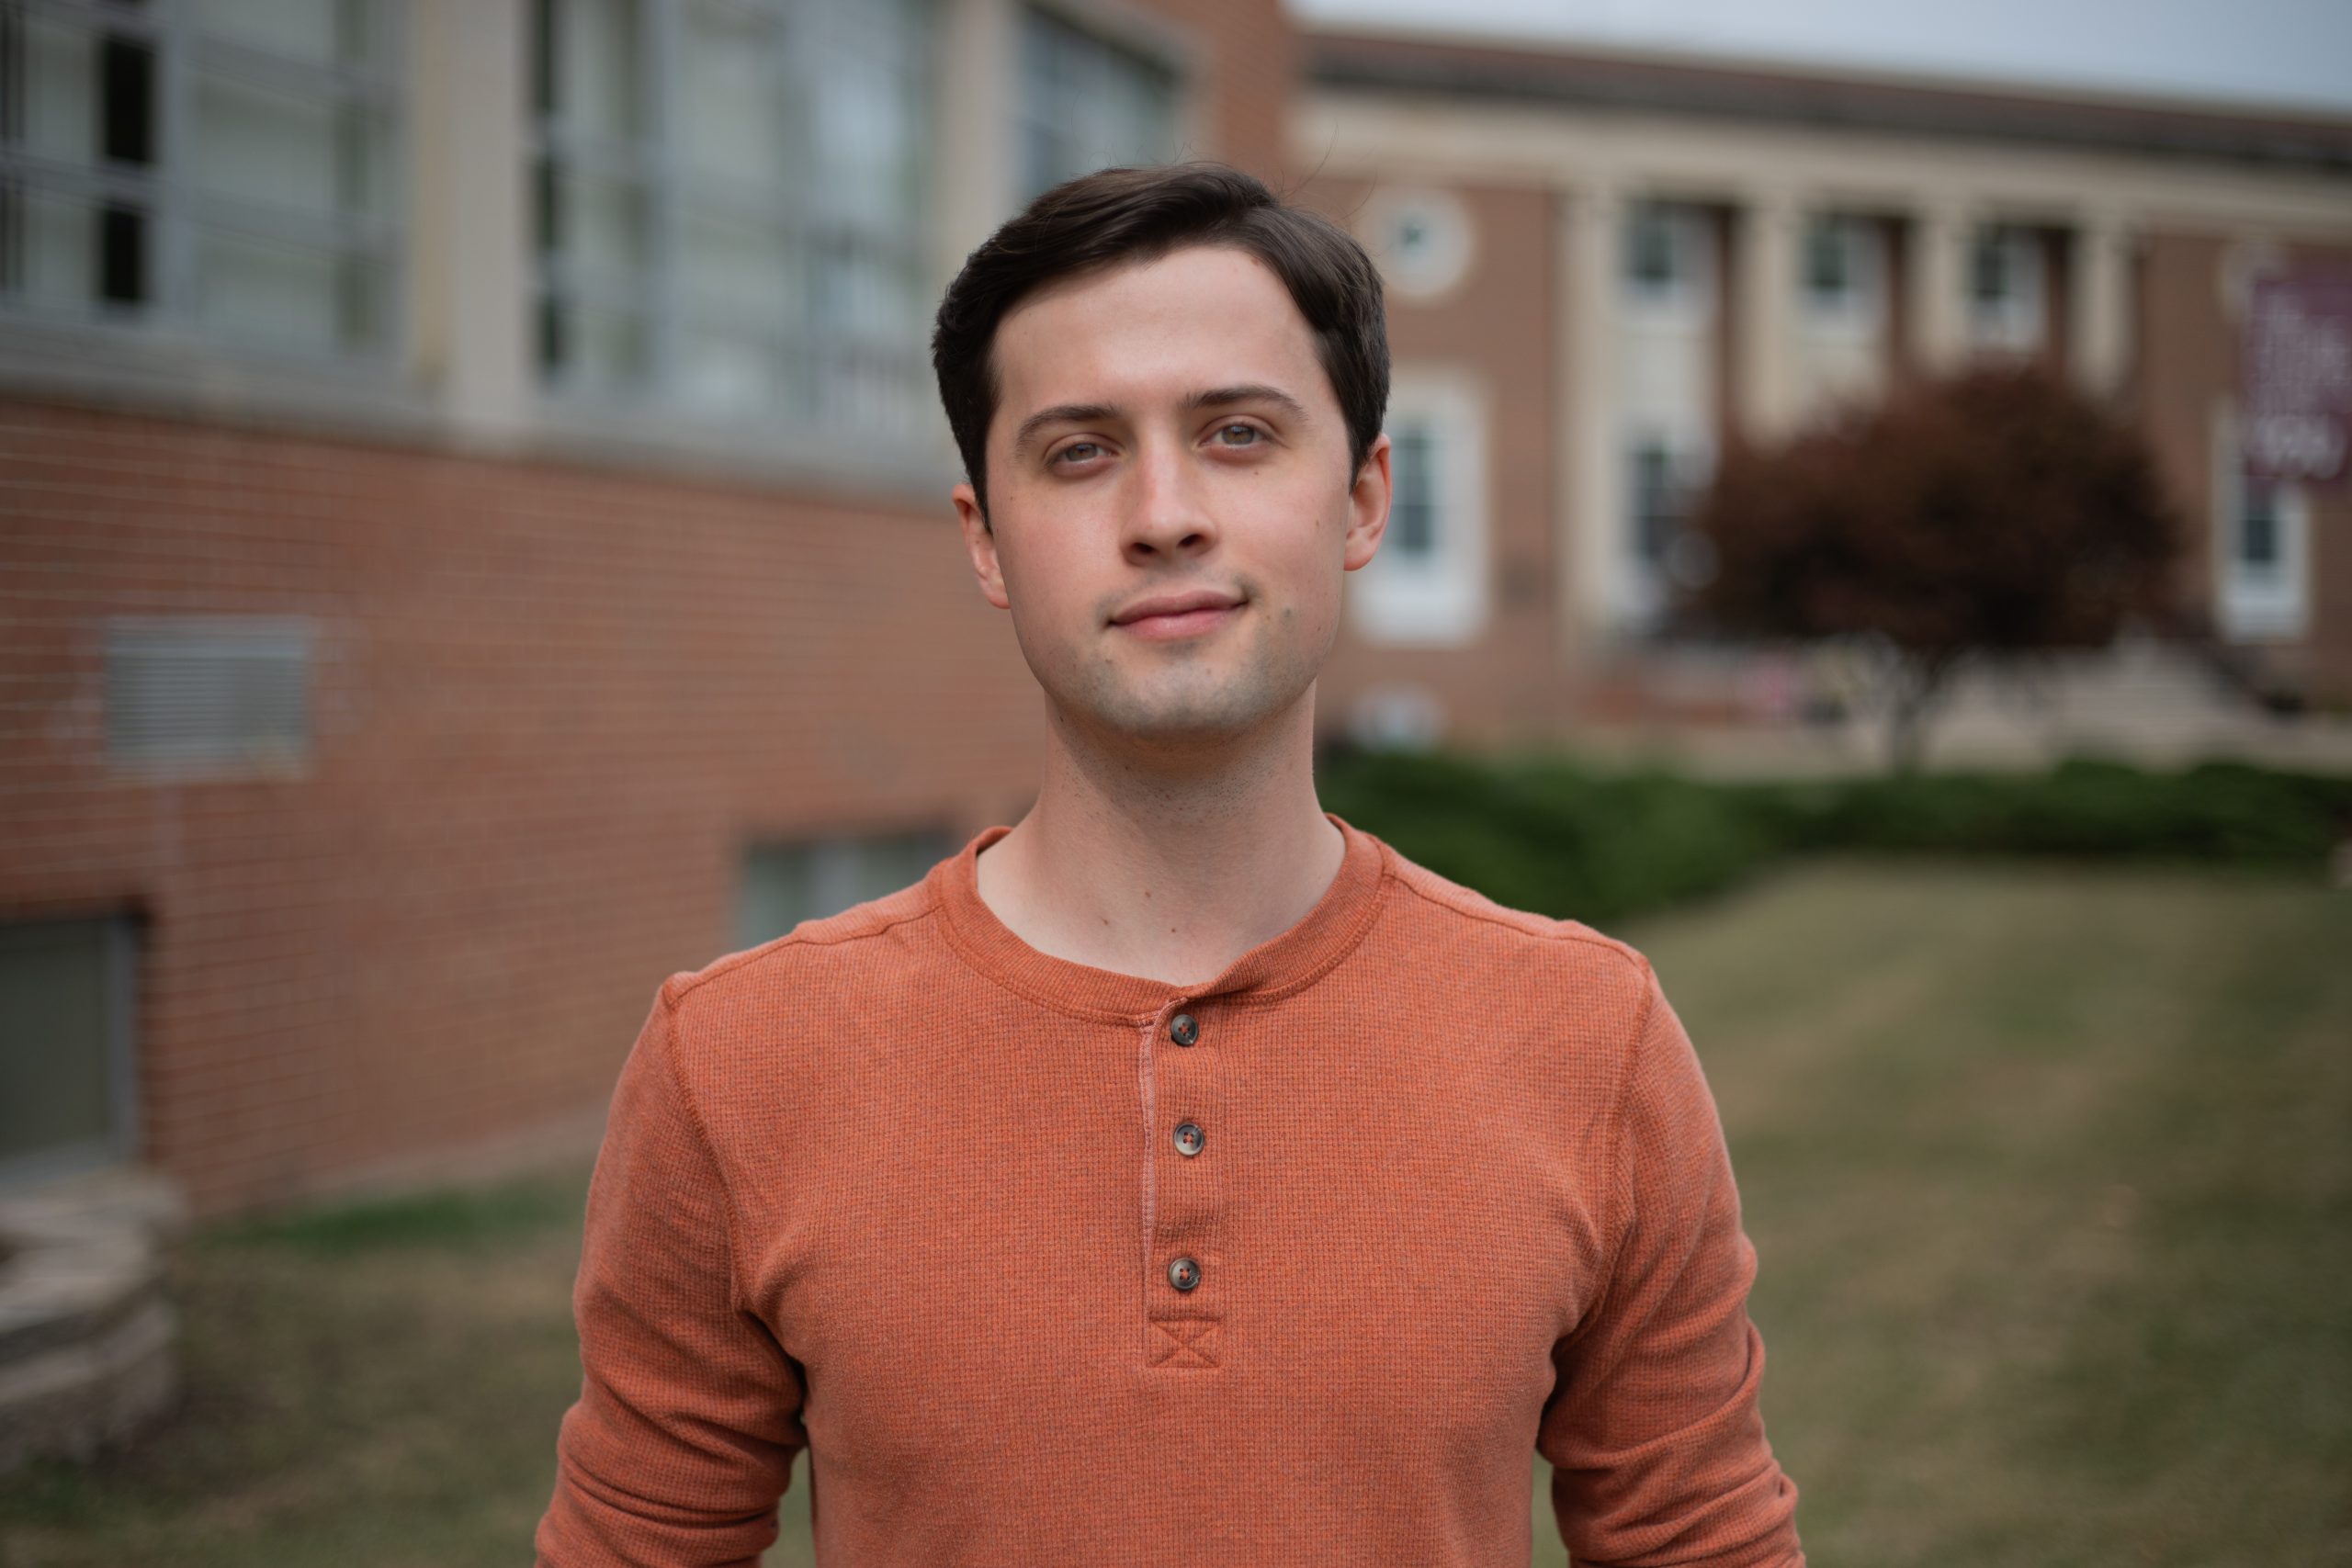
(1601, 266)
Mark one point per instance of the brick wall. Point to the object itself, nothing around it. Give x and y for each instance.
(1500, 323)
(550, 707)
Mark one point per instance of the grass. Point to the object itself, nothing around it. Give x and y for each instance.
(2046, 1168)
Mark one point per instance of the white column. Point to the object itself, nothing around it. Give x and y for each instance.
(1764, 266)
(979, 45)
(2099, 309)
(473, 299)
(1935, 286)
(1591, 505)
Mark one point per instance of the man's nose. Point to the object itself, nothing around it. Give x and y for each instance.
(1167, 516)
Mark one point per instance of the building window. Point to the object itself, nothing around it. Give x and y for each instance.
(1421, 240)
(1088, 103)
(1666, 258)
(2007, 284)
(1663, 479)
(1842, 266)
(66, 1077)
(2263, 545)
(217, 167)
(1412, 506)
(785, 884)
(1427, 583)
(731, 207)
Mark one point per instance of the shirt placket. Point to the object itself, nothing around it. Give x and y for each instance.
(1185, 1283)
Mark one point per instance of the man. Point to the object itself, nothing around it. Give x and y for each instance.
(1179, 1176)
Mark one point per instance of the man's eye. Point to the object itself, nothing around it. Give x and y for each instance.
(1248, 434)
(1078, 452)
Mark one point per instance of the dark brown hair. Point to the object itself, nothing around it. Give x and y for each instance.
(1117, 216)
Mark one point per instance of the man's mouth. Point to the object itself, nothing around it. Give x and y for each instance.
(1166, 616)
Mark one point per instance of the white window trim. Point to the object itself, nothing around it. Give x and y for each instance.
(1444, 601)
(1689, 298)
(1861, 308)
(2246, 609)
(1640, 591)
(167, 359)
(2019, 322)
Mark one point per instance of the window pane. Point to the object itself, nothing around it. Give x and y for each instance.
(61, 91)
(1412, 511)
(733, 112)
(276, 295)
(1650, 248)
(260, 146)
(2258, 527)
(320, 32)
(1829, 274)
(601, 350)
(598, 227)
(56, 1025)
(745, 271)
(1087, 104)
(588, 72)
(1992, 281)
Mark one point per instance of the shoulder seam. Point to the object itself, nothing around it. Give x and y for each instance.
(730, 963)
(1588, 937)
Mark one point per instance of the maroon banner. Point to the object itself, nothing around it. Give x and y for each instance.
(2297, 370)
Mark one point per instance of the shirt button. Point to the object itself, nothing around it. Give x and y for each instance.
(1183, 1273)
(1189, 1138)
(1183, 1029)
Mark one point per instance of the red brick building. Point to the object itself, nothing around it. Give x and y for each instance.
(1603, 266)
(473, 533)
(473, 528)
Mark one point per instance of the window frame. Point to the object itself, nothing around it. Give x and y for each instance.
(654, 407)
(1687, 452)
(2018, 320)
(1442, 598)
(47, 347)
(126, 1134)
(1859, 303)
(1689, 288)
(2257, 606)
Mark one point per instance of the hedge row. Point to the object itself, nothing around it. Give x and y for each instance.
(1561, 839)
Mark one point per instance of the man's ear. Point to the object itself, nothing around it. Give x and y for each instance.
(1368, 506)
(979, 543)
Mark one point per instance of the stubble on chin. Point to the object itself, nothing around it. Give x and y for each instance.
(1172, 693)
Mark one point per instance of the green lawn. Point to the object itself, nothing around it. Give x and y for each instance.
(2050, 1171)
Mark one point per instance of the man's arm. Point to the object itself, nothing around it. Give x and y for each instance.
(1657, 1448)
(688, 1415)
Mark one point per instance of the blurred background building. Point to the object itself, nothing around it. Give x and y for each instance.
(475, 536)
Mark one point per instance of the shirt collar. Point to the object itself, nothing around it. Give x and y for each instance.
(1274, 969)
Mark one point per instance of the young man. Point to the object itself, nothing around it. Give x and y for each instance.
(1180, 1176)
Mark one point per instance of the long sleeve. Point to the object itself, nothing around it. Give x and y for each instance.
(688, 1418)
(1658, 1450)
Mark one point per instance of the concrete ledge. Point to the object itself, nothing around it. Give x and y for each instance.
(88, 1334)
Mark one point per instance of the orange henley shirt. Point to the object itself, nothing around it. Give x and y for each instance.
(1048, 1265)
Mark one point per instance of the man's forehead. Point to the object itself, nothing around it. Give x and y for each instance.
(1199, 316)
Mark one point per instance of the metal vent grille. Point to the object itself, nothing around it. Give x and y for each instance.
(208, 692)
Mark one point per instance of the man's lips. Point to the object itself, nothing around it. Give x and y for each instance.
(1177, 614)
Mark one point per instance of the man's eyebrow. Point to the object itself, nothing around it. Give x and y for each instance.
(1249, 393)
(1061, 413)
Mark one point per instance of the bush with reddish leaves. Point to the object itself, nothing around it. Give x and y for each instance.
(1996, 512)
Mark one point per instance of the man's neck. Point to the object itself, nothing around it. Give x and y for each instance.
(1165, 863)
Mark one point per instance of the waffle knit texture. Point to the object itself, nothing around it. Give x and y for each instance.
(901, 1189)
